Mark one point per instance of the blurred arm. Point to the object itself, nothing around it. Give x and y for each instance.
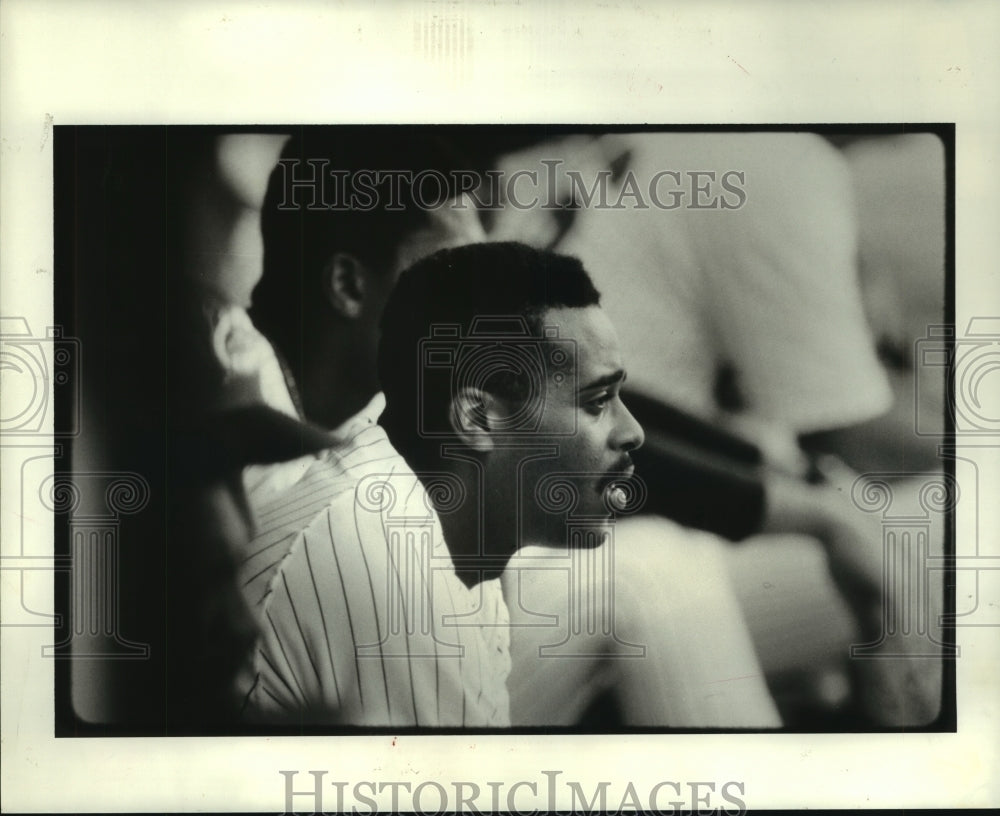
(891, 690)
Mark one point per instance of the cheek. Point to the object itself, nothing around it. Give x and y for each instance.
(595, 447)
(556, 417)
(585, 448)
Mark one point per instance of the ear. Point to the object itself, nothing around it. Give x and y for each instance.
(473, 417)
(344, 284)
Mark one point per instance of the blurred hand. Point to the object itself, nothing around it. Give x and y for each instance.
(853, 540)
(893, 687)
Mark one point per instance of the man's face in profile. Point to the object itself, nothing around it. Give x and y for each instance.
(583, 417)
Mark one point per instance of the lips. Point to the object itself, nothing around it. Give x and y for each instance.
(624, 471)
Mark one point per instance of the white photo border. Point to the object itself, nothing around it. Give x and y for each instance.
(104, 62)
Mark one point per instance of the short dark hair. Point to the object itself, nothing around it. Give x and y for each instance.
(300, 239)
(457, 287)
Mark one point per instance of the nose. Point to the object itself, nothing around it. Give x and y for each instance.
(629, 434)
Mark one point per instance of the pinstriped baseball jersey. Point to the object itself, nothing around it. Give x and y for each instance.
(363, 620)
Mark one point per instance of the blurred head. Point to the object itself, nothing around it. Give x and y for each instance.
(504, 350)
(331, 260)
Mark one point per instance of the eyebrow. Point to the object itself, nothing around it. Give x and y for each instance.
(602, 382)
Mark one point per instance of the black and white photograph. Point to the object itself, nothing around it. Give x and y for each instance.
(469, 428)
(401, 461)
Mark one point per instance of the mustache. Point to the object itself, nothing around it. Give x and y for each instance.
(623, 464)
(620, 472)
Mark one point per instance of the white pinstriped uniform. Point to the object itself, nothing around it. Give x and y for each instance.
(363, 620)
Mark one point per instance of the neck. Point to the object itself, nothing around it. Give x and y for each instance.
(338, 387)
(477, 557)
(482, 533)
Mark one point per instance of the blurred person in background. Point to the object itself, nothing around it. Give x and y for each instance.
(739, 304)
(898, 183)
(739, 293)
(786, 504)
(357, 615)
(229, 410)
(333, 374)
